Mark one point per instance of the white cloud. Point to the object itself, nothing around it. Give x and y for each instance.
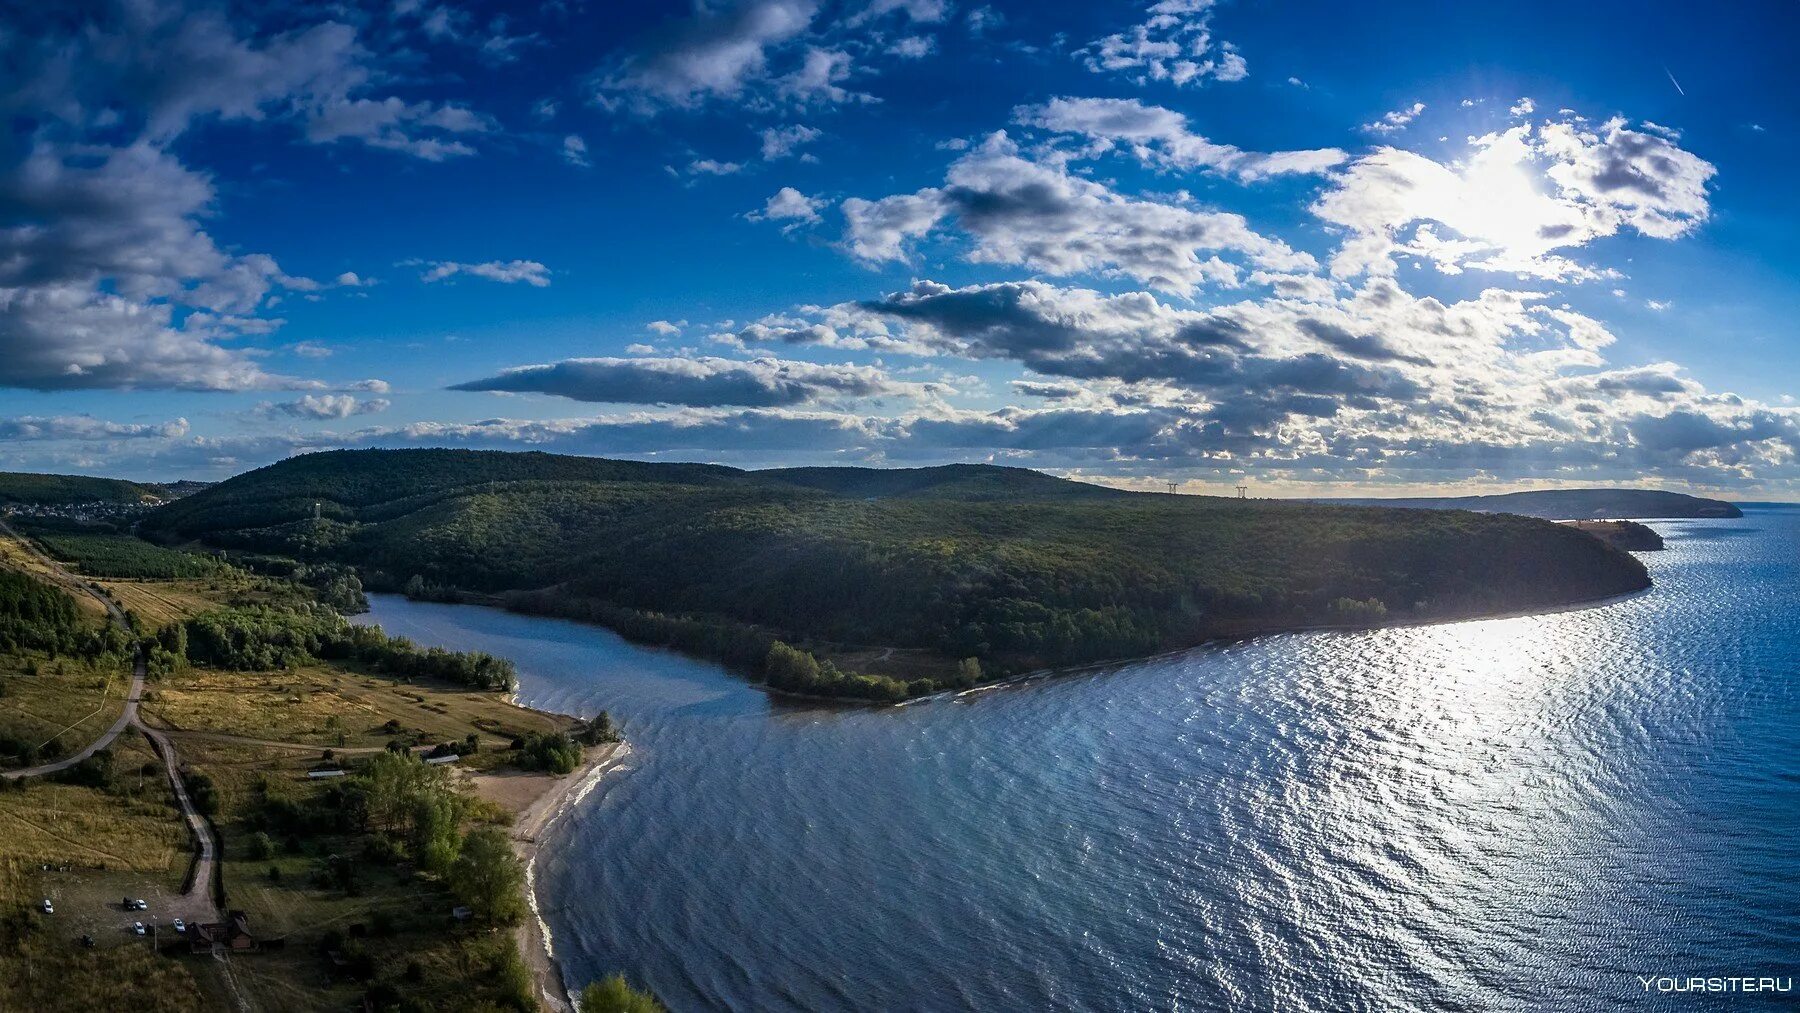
(1039, 216)
(913, 47)
(714, 53)
(86, 428)
(788, 205)
(575, 151)
(713, 167)
(1160, 137)
(508, 272)
(1395, 121)
(1173, 44)
(782, 142)
(1521, 196)
(324, 406)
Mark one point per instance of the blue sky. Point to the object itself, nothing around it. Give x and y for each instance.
(1315, 247)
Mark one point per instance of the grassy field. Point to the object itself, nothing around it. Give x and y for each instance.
(130, 827)
(66, 702)
(327, 707)
(157, 603)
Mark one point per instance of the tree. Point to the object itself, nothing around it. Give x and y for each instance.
(615, 995)
(487, 877)
(435, 843)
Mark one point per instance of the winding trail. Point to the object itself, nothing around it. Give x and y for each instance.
(199, 895)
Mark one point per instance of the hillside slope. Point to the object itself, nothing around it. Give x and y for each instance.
(1015, 582)
(51, 490)
(1570, 504)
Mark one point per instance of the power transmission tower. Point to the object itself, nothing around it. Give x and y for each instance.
(1243, 492)
(1172, 488)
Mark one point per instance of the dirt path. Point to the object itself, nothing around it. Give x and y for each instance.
(126, 718)
(199, 897)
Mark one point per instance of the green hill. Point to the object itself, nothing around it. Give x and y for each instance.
(953, 481)
(1571, 504)
(53, 490)
(940, 562)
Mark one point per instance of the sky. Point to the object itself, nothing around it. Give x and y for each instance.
(1314, 248)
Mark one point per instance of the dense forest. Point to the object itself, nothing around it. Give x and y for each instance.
(36, 616)
(45, 490)
(262, 638)
(1006, 566)
(1570, 504)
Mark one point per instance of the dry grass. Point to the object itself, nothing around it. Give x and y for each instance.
(134, 829)
(331, 708)
(48, 973)
(67, 698)
(158, 603)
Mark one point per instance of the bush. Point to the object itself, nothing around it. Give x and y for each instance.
(551, 751)
(615, 995)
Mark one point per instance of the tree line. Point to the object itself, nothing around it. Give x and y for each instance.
(266, 638)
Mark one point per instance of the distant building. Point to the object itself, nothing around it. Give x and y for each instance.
(231, 934)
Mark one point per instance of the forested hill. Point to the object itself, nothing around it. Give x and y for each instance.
(1014, 581)
(954, 481)
(1570, 504)
(51, 490)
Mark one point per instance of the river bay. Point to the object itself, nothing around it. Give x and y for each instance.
(1515, 814)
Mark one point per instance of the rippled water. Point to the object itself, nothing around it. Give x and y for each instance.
(1514, 814)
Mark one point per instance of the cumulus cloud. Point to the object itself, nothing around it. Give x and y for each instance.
(507, 272)
(1160, 137)
(1174, 43)
(1395, 121)
(717, 52)
(325, 406)
(108, 278)
(699, 382)
(1040, 216)
(1524, 195)
(162, 66)
(788, 205)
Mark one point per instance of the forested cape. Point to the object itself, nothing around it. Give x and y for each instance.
(1011, 567)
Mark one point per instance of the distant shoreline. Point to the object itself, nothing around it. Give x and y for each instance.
(1232, 636)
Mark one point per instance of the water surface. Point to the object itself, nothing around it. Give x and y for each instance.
(1514, 814)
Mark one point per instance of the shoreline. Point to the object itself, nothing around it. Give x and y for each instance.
(1250, 632)
(1034, 675)
(530, 825)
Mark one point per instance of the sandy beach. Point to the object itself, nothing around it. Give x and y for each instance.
(537, 801)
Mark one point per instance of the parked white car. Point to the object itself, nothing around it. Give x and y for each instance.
(137, 927)
(49, 908)
(180, 926)
(140, 905)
